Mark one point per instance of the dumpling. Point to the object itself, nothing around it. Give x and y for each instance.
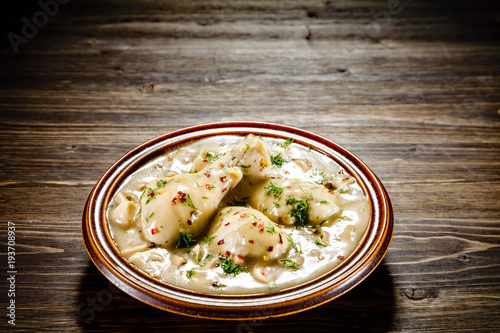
(292, 201)
(246, 232)
(251, 155)
(184, 204)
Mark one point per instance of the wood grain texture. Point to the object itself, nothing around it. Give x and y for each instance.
(411, 87)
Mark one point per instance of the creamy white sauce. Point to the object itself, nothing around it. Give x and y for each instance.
(314, 249)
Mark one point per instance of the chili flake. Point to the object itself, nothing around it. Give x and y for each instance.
(220, 242)
(154, 231)
(223, 179)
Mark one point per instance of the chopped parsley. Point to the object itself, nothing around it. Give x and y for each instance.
(185, 241)
(296, 246)
(292, 264)
(300, 212)
(320, 244)
(161, 182)
(229, 267)
(150, 193)
(276, 203)
(273, 190)
(189, 202)
(190, 273)
(209, 239)
(221, 214)
(248, 147)
(342, 191)
(150, 216)
(285, 144)
(277, 160)
(243, 166)
(271, 230)
(210, 158)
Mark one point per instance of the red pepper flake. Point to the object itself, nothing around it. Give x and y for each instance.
(205, 160)
(340, 257)
(173, 201)
(227, 224)
(240, 257)
(321, 257)
(331, 192)
(346, 178)
(206, 174)
(151, 245)
(286, 172)
(181, 196)
(310, 164)
(235, 213)
(270, 249)
(207, 186)
(243, 215)
(220, 242)
(261, 227)
(152, 194)
(223, 179)
(254, 223)
(170, 159)
(154, 231)
(159, 166)
(263, 273)
(189, 222)
(251, 241)
(228, 253)
(223, 190)
(281, 239)
(341, 172)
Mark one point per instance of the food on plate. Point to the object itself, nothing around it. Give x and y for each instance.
(238, 215)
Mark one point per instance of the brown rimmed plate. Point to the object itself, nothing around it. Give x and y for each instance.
(354, 269)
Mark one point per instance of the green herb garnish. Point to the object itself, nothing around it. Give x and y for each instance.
(271, 230)
(292, 264)
(300, 212)
(285, 144)
(296, 246)
(229, 267)
(189, 202)
(274, 190)
(211, 158)
(209, 239)
(190, 273)
(185, 241)
(277, 160)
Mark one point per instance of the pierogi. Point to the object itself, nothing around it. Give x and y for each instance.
(238, 215)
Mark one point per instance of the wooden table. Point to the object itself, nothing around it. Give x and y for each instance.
(411, 87)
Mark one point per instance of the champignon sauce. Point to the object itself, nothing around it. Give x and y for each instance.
(238, 215)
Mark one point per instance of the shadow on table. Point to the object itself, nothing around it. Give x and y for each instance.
(369, 307)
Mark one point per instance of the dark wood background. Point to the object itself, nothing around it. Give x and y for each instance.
(411, 87)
